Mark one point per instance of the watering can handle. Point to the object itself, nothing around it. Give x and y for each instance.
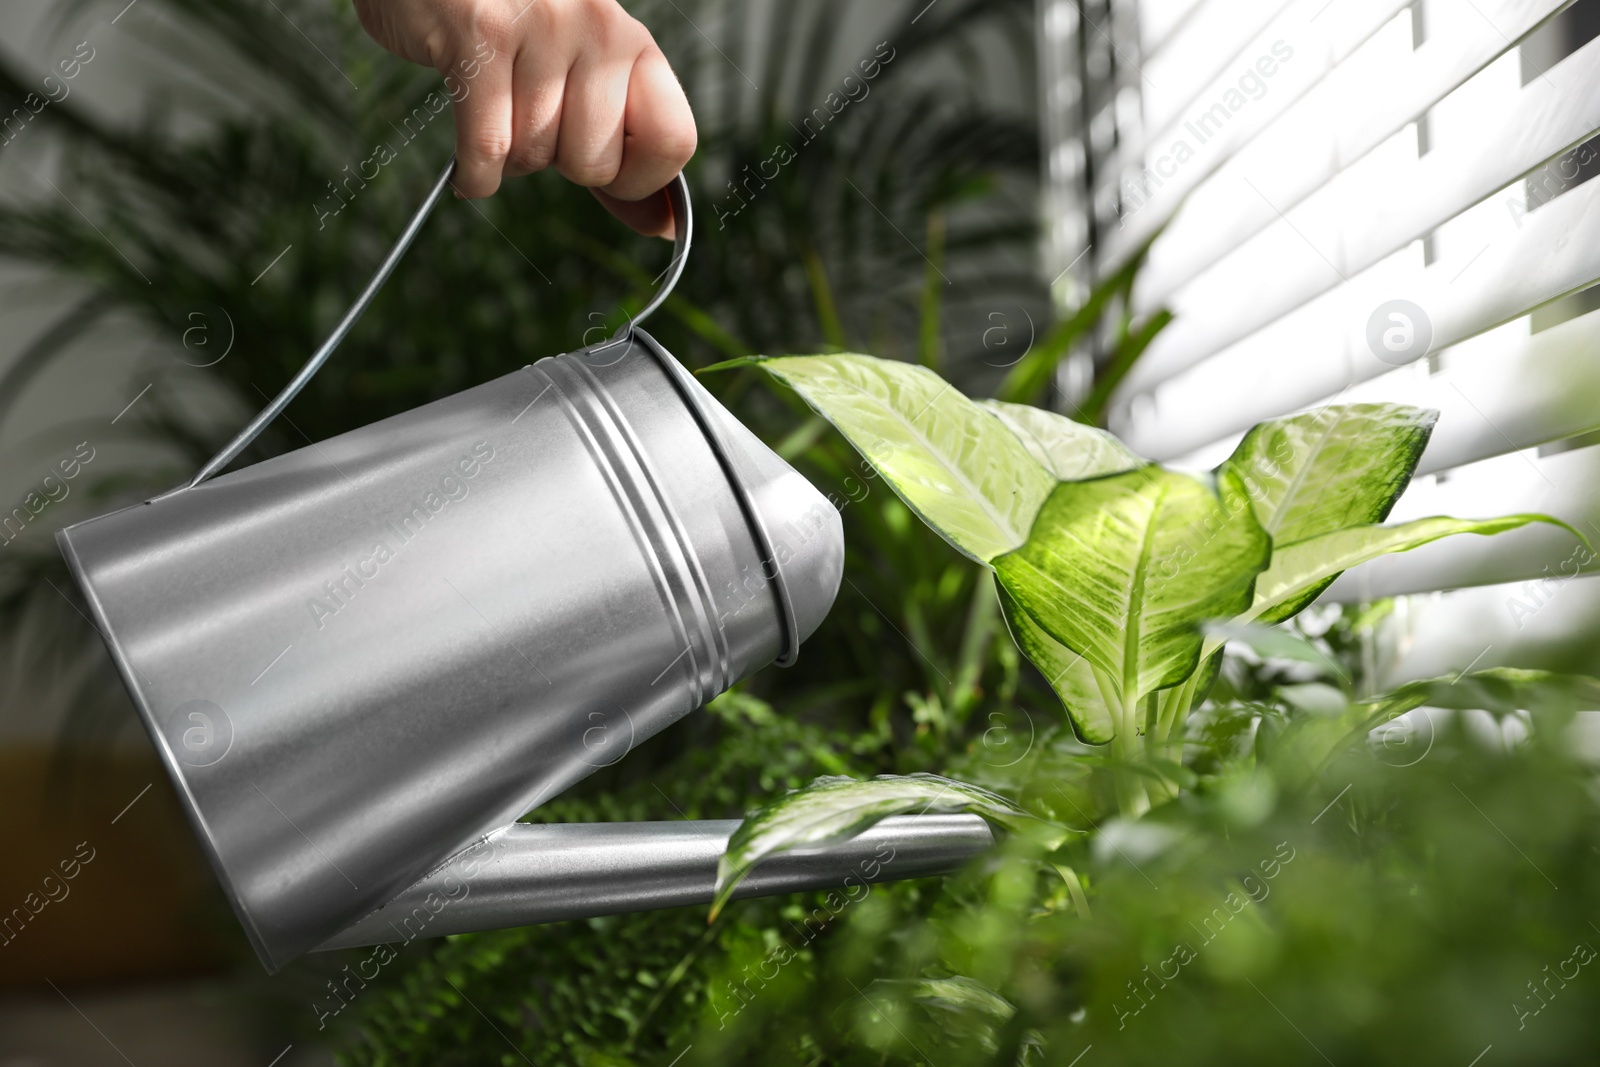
(683, 225)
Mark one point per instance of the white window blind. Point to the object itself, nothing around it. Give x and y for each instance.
(1298, 167)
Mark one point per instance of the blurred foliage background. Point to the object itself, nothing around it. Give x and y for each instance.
(1417, 905)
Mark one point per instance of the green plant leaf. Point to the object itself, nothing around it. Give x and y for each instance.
(1028, 379)
(731, 364)
(1276, 642)
(1327, 469)
(1068, 673)
(1309, 564)
(1125, 352)
(835, 809)
(1498, 690)
(1312, 742)
(956, 1011)
(1071, 451)
(957, 994)
(954, 464)
(1330, 468)
(1068, 449)
(1124, 569)
(1080, 899)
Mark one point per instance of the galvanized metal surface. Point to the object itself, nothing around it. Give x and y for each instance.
(360, 657)
(541, 873)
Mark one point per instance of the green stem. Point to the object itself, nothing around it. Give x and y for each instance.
(1080, 900)
(1132, 800)
(1174, 730)
(1128, 749)
(822, 296)
(1130, 346)
(1157, 749)
(982, 612)
(1172, 707)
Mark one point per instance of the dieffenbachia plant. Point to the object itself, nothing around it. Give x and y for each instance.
(1110, 567)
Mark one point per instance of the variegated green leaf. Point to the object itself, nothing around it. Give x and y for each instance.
(1327, 469)
(836, 809)
(1066, 448)
(1068, 673)
(1124, 569)
(1309, 564)
(1071, 451)
(951, 461)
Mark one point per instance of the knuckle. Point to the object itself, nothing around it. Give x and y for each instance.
(677, 145)
(495, 30)
(549, 18)
(531, 157)
(612, 28)
(492, 23)
(631, 33)
(594, 173)
(486, 145)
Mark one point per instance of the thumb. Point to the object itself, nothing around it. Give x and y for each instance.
(651, 216)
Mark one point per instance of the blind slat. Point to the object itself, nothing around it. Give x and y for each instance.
(1321, 349)
(1511, 391)
(1464, 46)
(1161, 23)
(1566, 486)
(1514, 392)
(1489, 626)
(1208, 44)
(1316, 47)
(1552, 114)
(1215, 120)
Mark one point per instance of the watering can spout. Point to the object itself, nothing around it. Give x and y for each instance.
(533, 873)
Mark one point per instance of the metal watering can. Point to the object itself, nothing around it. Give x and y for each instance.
(364, 660)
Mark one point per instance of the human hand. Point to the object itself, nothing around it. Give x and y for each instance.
(575, 84)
